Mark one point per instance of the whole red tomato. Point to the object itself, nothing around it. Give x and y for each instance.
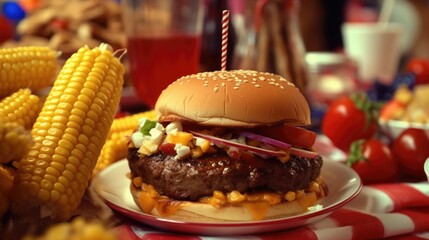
(420, 67)
(373, 161)
(349, 118)
(411, 149)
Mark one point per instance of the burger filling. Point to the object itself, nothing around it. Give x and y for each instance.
(172, 140)
(222, 167)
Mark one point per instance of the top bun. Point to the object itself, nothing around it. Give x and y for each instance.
(236, 98)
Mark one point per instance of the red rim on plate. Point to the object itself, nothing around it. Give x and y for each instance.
(343, 183)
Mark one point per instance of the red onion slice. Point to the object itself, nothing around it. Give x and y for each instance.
(303, 153)
(249, 148)
(267, 140)
(277, 143)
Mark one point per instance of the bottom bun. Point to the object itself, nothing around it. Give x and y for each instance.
(206, 212)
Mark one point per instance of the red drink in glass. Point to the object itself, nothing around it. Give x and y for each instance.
(156, 61)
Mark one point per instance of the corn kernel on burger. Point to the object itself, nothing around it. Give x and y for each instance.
(227, 146)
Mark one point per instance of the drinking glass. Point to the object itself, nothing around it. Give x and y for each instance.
(164, 43)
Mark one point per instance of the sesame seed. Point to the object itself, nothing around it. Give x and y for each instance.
(282, 87)
(257, 85)
(216, 89)
(205, 85)
(223, 84)
(236, 88)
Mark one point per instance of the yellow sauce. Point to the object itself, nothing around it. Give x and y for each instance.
(257, 204)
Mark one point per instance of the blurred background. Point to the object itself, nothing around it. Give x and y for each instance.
(301, 40)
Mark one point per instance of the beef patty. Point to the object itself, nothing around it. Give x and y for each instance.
(191, 179)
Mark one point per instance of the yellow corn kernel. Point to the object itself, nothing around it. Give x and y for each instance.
(218, 199)
(21, 67)
(300, 193)
(235, 197)
(272, 198)
(196, 152)
(68, 134)
(15, 141)
(6, 181)
(290, 196)
(21, 107)
(313, 187)
(205, 146)
(138, 182)
(180, 138)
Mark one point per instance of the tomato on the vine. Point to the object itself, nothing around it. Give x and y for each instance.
(349, 118)
(373, 161)
(411, 149)
(420, 67)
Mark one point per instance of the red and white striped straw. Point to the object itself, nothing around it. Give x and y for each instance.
(225, 25)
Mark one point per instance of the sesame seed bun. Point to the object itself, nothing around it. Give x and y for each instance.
(236, 98)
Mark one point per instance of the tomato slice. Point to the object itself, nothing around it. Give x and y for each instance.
(295, 136)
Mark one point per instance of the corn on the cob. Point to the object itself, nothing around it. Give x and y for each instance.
(21, 107)
(68, 134)
(113, 150)
(6, 180)
(21, 67)
(116, 147)
(15, 141)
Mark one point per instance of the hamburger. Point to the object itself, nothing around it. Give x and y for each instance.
(227, 146)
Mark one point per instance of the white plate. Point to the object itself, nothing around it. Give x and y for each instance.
(112, 185)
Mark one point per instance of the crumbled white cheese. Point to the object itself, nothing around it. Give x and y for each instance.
(199, 141)
(137, 138)
(181, 151)
(156, 134)
(148, 144)
(173, 128)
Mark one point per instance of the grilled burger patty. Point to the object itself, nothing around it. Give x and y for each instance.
(191, 179)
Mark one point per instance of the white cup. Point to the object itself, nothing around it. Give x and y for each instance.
(375, 47)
